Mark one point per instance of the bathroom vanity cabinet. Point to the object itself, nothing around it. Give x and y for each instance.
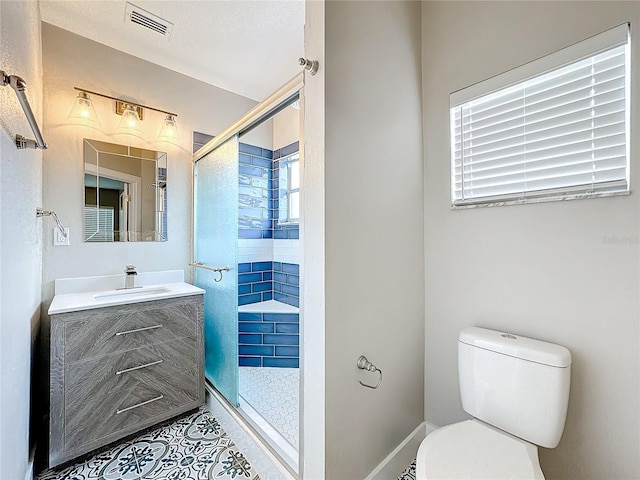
(119, 369)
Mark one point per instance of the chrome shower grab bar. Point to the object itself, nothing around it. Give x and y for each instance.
(20, 87)
(212, 269)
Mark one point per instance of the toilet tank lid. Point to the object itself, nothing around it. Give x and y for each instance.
(516, 346)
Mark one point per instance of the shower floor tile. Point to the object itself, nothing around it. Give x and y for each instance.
(274, 394)
(191, 448)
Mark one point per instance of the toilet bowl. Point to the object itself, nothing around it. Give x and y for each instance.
(517, 391)
(474, 450)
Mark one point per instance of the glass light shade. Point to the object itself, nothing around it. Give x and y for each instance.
(83, 111)
(130, 121)
(169, 130)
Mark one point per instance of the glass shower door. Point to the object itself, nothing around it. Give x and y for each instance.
(216, 246)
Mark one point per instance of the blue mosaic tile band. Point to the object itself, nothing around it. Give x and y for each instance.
(268, 340)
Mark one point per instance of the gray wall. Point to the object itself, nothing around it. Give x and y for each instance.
(373, 231)
(548, 270)
(21, 233)
(200, 107)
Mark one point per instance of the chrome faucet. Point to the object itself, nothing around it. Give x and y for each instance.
(130, 272)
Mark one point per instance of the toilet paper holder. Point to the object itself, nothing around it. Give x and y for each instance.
(365, 364)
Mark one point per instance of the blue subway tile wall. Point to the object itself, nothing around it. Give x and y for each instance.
(255, 208)
(255, 282)
(260, 192)
(286, 283)
(265, 339)
(263, 281)
(268, 340)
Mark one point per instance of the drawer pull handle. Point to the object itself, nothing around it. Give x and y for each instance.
(137, 330)
(119, 411)
(138, 367)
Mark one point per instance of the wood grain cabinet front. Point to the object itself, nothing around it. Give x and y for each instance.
(117, 370)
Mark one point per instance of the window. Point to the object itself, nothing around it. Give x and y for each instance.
(289, 209)
(98, 224)
(553, 129)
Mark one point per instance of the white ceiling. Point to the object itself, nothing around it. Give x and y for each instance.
(247, 47)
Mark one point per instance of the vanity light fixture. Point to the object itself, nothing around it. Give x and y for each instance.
(83, 110)
(130, 120)
(132, 114)
(169, 130)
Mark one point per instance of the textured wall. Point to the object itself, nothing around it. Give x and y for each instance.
(21, 233)
(541, 270)
(200, 107)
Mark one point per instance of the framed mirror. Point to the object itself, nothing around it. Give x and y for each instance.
(125, 193)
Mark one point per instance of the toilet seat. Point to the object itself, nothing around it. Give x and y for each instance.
(474, 450)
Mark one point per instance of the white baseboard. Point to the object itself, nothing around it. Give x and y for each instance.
(430, 427)
(394, 464)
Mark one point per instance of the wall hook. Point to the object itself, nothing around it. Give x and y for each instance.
(311, 65)
(40, 212)
(364, 364)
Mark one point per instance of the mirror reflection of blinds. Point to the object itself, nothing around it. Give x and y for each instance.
(561, 134)
(98, 224)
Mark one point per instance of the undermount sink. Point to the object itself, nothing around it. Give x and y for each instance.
(86, 293)
(138, 291)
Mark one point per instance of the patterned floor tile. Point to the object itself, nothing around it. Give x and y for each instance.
(274, 394)
(409, 472)
(192, 448)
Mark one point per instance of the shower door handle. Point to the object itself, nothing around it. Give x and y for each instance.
(212, 269)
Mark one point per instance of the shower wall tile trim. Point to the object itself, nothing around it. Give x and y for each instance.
(268, 340)
(286, 150)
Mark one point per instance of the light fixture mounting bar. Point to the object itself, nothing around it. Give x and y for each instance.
(124, 101)
(122, 106)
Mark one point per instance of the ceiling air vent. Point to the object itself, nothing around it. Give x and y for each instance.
(148, 20)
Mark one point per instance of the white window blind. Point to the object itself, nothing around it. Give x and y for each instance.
(98, 224)
(561, 133)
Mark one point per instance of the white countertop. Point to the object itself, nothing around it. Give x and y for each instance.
(72, 302)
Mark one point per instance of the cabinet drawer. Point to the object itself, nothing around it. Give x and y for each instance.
(99, 334)
(121, 410)
(93, 379)
(116, 370)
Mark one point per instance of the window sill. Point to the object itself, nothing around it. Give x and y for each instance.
(500, 203)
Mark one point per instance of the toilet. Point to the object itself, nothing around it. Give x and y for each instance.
(517, 391)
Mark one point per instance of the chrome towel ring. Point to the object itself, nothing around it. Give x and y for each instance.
(364, 364)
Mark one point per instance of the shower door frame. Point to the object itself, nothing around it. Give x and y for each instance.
(266, 109)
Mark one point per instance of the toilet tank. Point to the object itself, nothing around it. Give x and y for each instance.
(517, 384)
